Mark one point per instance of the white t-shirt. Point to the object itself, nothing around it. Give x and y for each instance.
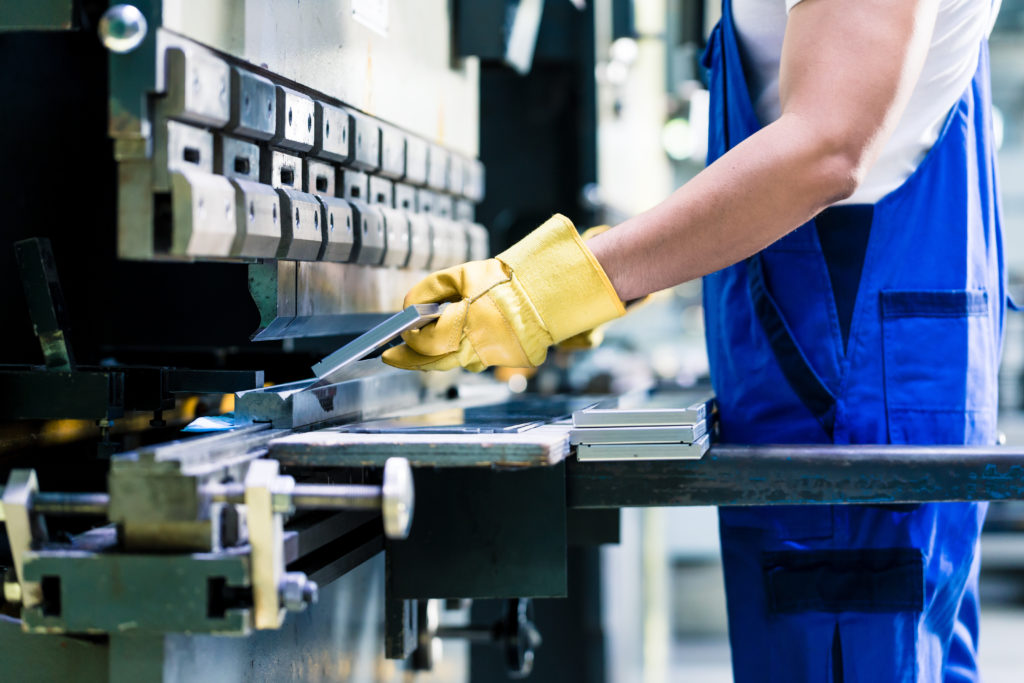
(947, 71)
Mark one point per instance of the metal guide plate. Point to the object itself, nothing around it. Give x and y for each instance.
(630, 451)
(413, 317)
(658, 411)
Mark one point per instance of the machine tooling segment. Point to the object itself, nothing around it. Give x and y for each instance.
(329, 369)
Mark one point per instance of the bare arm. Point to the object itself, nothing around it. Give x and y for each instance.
(846, 73)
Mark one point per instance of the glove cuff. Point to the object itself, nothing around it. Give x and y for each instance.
(567, 286)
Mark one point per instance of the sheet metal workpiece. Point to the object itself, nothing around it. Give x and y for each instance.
(396, 225)
(340, 234)
(369, 229)
(294, 120)
(203, 209)
(332, 138)
(289, 405)
(420, 243)
(253, 105)
(302, 238)
(258, 218)
(411, 318)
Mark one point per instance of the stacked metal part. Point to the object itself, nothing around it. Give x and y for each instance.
(662, 429)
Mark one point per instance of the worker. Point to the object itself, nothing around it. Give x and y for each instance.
(847, 226)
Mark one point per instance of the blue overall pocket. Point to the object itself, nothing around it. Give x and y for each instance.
(940, 381)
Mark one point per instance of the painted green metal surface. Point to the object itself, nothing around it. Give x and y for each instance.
(37, 15)
(113, 593)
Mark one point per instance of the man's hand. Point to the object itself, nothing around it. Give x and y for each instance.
(508, 310)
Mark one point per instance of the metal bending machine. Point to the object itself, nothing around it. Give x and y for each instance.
(202, 196)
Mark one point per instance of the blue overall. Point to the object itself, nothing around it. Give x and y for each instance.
(869, 593)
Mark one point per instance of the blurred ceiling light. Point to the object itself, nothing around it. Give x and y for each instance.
(624, 50)
(998, 127)
(677, 139)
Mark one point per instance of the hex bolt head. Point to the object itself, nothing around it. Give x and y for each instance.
(397, 498)
(297, 591)
(122, 28)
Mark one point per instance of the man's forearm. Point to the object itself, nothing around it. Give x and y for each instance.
(765, 187)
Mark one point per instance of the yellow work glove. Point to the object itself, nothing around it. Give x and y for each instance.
(509, 309)
(592, 338)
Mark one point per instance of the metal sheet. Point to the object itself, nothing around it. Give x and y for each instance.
(639, 435)
(290, 405)
(665, 411)
(643, 451)
(411, 318)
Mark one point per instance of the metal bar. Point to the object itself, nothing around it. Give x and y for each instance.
(45, 301)
(71, 504)
(803, 475)
(310, 496)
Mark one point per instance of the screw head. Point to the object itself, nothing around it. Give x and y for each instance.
(122, 28)
(397, 498)
(297, 591)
